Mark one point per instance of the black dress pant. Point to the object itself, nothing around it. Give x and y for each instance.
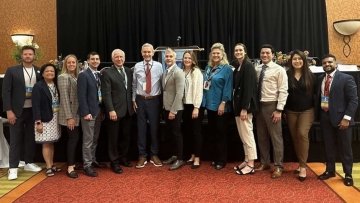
(72, 142)
(174, 131)
(336, 140)
(218, 128)
(119, 133)
(22, 139)
(192, 129)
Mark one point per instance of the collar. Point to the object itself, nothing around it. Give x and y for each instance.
(171, 67)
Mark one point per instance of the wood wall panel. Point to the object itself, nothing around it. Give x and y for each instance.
(37, 17)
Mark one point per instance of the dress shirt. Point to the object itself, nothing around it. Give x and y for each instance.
(323, 87)
(220, 88)
(194, 88)
(139, 78)
(275, 84)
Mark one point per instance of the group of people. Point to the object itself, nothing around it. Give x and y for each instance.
(38, 103)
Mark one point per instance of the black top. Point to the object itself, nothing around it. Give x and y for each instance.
(298, 99)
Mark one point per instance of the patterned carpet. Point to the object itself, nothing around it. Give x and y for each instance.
(153, 184)
(356, 173)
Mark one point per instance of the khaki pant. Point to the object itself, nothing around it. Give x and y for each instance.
(246, 133)
(299, 125)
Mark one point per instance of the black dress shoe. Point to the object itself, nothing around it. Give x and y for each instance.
(219, 166)
(72, 174)
(213, 163)
(326, 175)
(189, 162)
(90, 171)
(301, 179)
(125, 163)
(171, 160)
(176, 165)
(116, 168)
(98, 165)
(348, 181)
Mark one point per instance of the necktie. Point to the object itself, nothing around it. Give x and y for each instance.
(148, 79)
(327, 91)
(261, 79)
(97, 77)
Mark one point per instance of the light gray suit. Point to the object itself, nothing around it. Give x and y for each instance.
(173, 83)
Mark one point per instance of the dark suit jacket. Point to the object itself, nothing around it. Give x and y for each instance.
(88, 94)
(13, 89)
(245, 88)
(115, 96)
(42, 102)
(343, 98)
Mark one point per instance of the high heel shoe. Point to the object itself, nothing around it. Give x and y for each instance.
(240, 172)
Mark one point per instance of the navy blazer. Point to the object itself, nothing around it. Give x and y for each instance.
(343, 98)
(116, 96)
(13, 89)
(42, 102)
(245, 88)
(88, 94)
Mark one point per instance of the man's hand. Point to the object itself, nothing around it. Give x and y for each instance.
(134, 106)
(344, 124)
(88, 117)
(112, 115)
(11, 117)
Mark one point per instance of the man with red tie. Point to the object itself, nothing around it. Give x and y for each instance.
(146, 88)
(339, 100)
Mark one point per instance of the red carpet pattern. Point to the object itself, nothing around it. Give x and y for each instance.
(153, 184)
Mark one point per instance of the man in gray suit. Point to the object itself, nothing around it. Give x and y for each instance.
(116, 83)
(16, 93)
(173, 83)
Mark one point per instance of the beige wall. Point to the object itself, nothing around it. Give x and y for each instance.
(342, 10)
(37, 17)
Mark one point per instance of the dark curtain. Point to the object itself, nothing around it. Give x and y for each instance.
(103, 25)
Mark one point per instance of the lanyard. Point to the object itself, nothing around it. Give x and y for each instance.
(32, 72)
(53, 90)
(211, 73)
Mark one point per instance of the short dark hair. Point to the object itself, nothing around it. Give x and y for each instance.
(43, 67)
(92, 54)
(327, 56)
(27, 47)
(268, 46)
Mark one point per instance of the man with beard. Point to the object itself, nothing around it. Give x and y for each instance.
(339, 100)
(16, 93)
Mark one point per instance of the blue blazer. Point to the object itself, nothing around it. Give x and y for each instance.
(343, 98)
(13, 89)
(41, 102)
(88, 94)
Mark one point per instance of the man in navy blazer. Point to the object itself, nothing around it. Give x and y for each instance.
(16, 93)
(89, 96)
(337, 93)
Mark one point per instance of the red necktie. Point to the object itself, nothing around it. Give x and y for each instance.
(148, 79)
(327, 90)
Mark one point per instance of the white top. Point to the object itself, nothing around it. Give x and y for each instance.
(194, 88)
(30, 80)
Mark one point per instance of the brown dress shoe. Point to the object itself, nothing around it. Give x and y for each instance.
(262, 167)
(277, 172)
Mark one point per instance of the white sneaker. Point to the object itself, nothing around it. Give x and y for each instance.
(12, 173)
(21, 164)
(32, 167)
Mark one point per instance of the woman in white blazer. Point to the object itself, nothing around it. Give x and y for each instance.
(192, 102)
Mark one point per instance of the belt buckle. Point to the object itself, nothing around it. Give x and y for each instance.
(147, 97)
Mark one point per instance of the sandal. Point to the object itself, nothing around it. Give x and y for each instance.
(241, 166)
(252, 171)
(49, 172)
(55, 169)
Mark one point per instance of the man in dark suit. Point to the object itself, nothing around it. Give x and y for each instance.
(116, 88)
(338, 95)
(16, 92)
(89, 96)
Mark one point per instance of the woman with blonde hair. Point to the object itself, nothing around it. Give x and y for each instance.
(68, 116)
(217, 96)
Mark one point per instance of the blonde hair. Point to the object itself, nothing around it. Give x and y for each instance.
(223, 60)
(64, 68)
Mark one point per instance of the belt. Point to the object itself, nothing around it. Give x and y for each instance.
(147, 97)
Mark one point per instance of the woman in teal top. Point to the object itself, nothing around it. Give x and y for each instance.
(217, 95)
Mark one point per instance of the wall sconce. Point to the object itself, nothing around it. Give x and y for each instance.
(347, 28)
(22, 39)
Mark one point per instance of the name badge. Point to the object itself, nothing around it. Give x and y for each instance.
(28, 92)
(99, 95)
(207, 85)
(55, 106)
(324, 102)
